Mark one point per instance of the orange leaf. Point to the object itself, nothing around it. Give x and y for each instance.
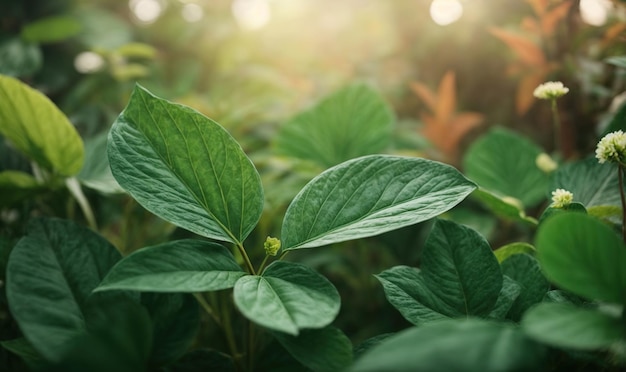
(552, 18)
(425, 94)
(457, 129)
(446, 98)
(525, 49)
(539, 6)
(525, 90)
(613, 32)
(530, 24)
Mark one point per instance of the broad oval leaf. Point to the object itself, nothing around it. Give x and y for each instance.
(351, 122)
(525, 270)
(185, 168)
(368, 196)
(287, 297)
(504, 162)
(176, 266)
(49, 302)
(584, 256)
(508, 294)
(455, 345)
(325, 349)
(568, 326)
(38, 128)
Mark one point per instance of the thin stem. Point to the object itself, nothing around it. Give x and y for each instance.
(251, 344)
(228, 330)
(282, 255)
(246, 259)
(557, 127)
(77, 192)
(205, 305)
(620, 171)
(263, 264)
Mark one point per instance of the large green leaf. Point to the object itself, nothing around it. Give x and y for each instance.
(569, 326)
(592, 183)
(368, 196)
(18, 58)
(185, 168)
(459, 277)
(504, 162)
(525, 270)
(176, 266)
(50, 276)
(584, 256)
(455, 345)
(352, 122)
(51, 29)
(287, 297)
(325, 349)
(38, 128)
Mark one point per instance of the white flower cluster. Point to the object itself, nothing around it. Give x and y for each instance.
(612, 147)
(550, 90)
(561, 198)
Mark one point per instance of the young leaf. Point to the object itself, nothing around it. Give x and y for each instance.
(38, 128)
(525, 270)
(48, 302)
(504, 162)
(507, 208)
(368, 196)
(288, 297)
(569, 326)
(185, 168)
(51, 29)
(584, 256)
(511, 249)
(176, 266)
(351, 122)
(324, 349)
(455, 345)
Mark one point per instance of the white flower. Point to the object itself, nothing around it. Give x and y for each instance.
(612, 147)
(561, 198)
(550, 90)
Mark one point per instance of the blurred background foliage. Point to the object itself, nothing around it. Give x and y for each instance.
(416, 77)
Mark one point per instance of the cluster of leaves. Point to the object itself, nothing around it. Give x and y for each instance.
(463, 299)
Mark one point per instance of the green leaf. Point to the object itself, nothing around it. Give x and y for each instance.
(504, 162)
(368, 196)
(102, 29)
(185, 168)
(592, 183)
(51, 29)
(38, 128)
(508, 294)
(505, 207)
(584, 256)
(525, 270)
(24, 349)
(552, 211)
(96, 173)
(175, 322)
(176, 266)
(16, 186)
(351, 122)
(619, 61)
(18, 58)
(455, 345)
(203, 360)
(325, 349)
(50, 275)
(568, 326)
(616, 122)
(459, 277)
(287, 297)
(508, 250)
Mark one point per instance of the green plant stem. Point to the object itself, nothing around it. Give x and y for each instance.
(246, 259)
(77, 192)
(260, 270)
(228, 331)
(557, 127)
(620, 172)
(251, 345)
(205, 305)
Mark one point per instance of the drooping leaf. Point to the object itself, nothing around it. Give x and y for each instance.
(51, 29)
(185, 168)
(368, 196)
(568, 326)
(48, 302)
(459, 277)
(287, 297)
(455, 345)
(324, 349)
(505, 207)
(508, 294)
(527, 51)
(176, 266)
(16, 186)
(351, 122)
(19, 58)
(96, 173)
(525, 270)
(38, 128)
(584, 256)
(504, 162)
(508, 250)
(175, 322)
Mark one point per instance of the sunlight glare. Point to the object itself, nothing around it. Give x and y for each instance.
(251, 14)
(445, 12)
(595, 12)
(192, 12)
(88, 62)
(146, 11)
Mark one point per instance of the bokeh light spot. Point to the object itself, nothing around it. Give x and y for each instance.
(445, 12)
(146, 11)
(595, 12)
(192, 12)
(251, 14)
(88, 62)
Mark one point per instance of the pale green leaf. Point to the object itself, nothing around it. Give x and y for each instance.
(185, 168)
(368, 196)
(51, 29)
(510, 249)
(18, 58)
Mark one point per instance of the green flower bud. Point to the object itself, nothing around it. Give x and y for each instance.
(272, 246)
